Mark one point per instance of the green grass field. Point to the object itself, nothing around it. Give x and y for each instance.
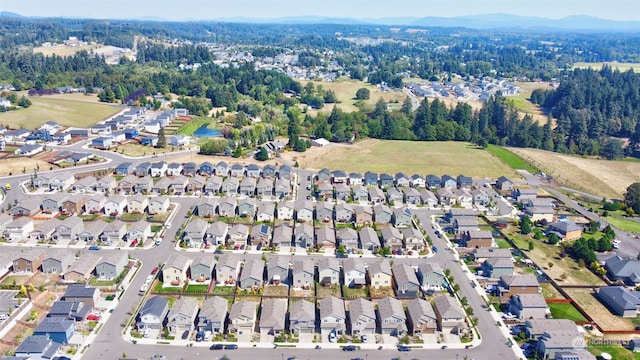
(511, 159)
(624, 224)
(411, 157)
(614, 65)
(565, 311)
(193, 125)
(63, 111)
(616, 351)
(345, 91)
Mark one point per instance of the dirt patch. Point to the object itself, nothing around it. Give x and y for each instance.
(381, 292)
(600, 313)
(277, 290)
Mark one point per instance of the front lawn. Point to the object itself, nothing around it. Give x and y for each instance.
(196, 289)
(350, 293)
(224, 290)
(617, 352)
(566, 311)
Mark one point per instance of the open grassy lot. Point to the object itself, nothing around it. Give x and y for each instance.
(598, 312)
(63, 50)
(511, 159)
(224, 290)
(324, 291)
(549, 292)
(624, 224)
(616, 351)
(345, 91)
(407, 156)
(600, 177)
(59, 109)
(614, 65)
(276, 290)
(566, 311)
(565, 271)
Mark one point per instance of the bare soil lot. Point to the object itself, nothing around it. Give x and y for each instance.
(600, 313)
(600, 177)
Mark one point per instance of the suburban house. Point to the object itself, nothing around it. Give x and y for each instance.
(282, 235)
(332, 315)
(535, 328)
(213, 314)
(113, 232)
(344, 213)
(174, 272)
(247, 208)
(369, 239)
(266, 212)
(302, 274)
(303, 236)
(355, 179)
(238, 235)
(89, 295)
(158, 169)
(95, 203)
(565, 230)
(36, 347)
(68, 229)
(445, 196)
(194, 233)
(190, 169)
(138, 232)
(433, 181)
(342, 192)
(196, 183)
(394, 196)
(448, 182)
(53, 203)
(213, 185)
(282, 188)
(18, 229)
(626, 270)
(124, 168)
(28, 260)
(285, 210)
(328, 271)
(112, 265)
(207, 209)
(362, 317)
(115, 205)
(413, 239)
(431, 276)
(392, 238)
(243, 316)
(392, 317)
(227, 207)
(380, 274)
(158, 205)
(360, 193)
(382, 214)
(503, 184)
(251, 276)
(412, 196)
(464, 182)
(86, 184)
(73, 310)
(406, 281)
(376, 195)
(464, 224)
(82, 269)
(354, 273)
(304, 211)
(302, 317)
(264, 187)
(269, 171)
(497, 267)
(247, 186)
(516, 284)
(278, 270)
(273, 316)
(401, 217)
(481, 254)
(363, 215)
(348, 237)
(127, 183)
(480, 198)
(528, 306)
(92, 231)
(325, 237)
(620, 300)
(260, 235)
(138, 204)
(57, 329)
(201, 268)
(206, 168)
(44, 231)
(324, 211)
(74, 205)
(449, 314)
(370, 179)
(57, 261)
(421, 317)
(227, 270)
(27, 207)
(182, 316)
(475, 238)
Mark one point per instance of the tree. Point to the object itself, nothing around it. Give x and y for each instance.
(632, 197)
(162, 139)
(612, 150)
(550, 264)
(263, 154)
(530, 245)
(363, 94)
(24, 102)
(525, 226)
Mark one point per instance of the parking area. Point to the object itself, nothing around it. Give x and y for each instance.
(8, 301)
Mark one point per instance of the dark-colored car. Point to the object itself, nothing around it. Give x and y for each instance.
(94, 247)
(404, 348)
(349, 348)
(216, 347)
(231, 347)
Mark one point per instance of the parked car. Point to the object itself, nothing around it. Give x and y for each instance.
(216, 347)
(231, 347)
(93, 317)
(94, 247)
(154, 271)
(332, 337)
(404, 348)
(349, 348)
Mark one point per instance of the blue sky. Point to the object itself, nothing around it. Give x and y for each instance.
(215, 9)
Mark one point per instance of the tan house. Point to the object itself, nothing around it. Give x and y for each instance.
(175, 270)
(82, 269)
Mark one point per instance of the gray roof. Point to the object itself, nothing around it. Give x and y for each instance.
(564, 226)
(328, 263)
(54, 325)
(404, 273)
(302, 310)
(331, 306)
(420, 310)
(361, 308)
(368, 235)
(252, 269)
(540, 326)
(302, 266)
(531, 300)
(243, 309)
(447, 307)
(113, 258)
(205, 260)
(37, 344)
(79, 291)
(184, 306)
(623, 268)
(214, 308)
(428, 268)
(156, 305)
(382, 266)
(353, 264)
(177, 261)
(624, 298)
(520, 280)
(492, 253)
(391, 307)
(273, 313)
(500, 263)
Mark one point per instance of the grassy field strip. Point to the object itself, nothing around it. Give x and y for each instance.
(566, 311)
(614, 65)
(624, 224)
(511, 159)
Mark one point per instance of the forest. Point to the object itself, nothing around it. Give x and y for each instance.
(592, 108)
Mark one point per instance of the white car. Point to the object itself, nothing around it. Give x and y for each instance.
(332, 337)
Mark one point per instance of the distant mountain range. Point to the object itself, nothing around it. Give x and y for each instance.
(486, 21)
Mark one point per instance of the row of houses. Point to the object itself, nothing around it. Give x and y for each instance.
(73, 228)
(222, 168)
(59, 326)
(78, 204)
(68, 266)
(355, 317)
(301, 274)
(398, 180)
